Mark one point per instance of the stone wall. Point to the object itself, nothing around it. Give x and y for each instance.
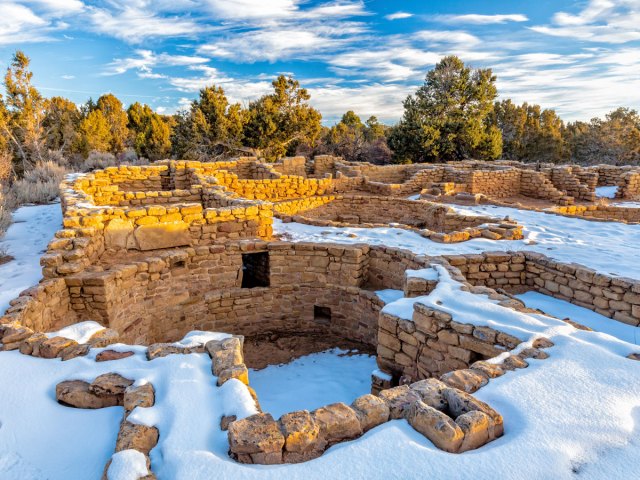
(601, 212)
(629, 186)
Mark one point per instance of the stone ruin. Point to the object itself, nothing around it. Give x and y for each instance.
(154, 252)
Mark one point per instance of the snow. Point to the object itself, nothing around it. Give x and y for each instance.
(588, 318)
(80, 332)
(606, 192)
(196, 338)
(127, 465)
(424, 273)
(313, 381)
(26, 240)
(599, 245)
(474, 309)
(389, 295)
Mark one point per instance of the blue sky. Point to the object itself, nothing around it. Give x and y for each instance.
(580, 57)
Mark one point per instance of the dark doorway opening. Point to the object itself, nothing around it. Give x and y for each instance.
(255, 270)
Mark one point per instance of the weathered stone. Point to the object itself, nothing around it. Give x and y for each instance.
(491, 370)
(542, 342)
(226, 420)
(430, 392)
(13, 335)
(466, 380)
(533, 353)
(143, 396)
(74, 351)
(634, 356)
(162, 235)
(52, 347)
(476, 426)
(443, 432)
(110, 384)
(104, 338)
(225, 354)
(137, 437)
(512, 362)
(238, 372)
(337, 422)
(31, 345)
(75, 393)
(109, 355)
(371, 411)
(399, 399)
(157, 350)
(256, 439)
(461, 403)
(301, 437)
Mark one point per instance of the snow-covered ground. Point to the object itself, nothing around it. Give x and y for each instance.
(26, 240)
(576, 412)
(588, 318)
(313, 381)
(606, 192)
(603, 246)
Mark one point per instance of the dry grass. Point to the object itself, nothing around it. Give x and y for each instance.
(39, 185)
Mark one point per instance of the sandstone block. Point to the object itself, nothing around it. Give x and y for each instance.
(430, 392)
(399, 399)
(75, 393)
(371, 411)
(337, 422)
(441, 430)
(301, 434)
(466, 380)
(52, 347)
(137, 437)
(143, 396)
(110, 384)
(476, 426)
(256, 439)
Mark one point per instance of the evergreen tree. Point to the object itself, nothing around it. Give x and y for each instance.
(94, 133)
(448, 118)
(279, 122)
(151, 133)
(117, 120)
(25, 109)
(61, 122)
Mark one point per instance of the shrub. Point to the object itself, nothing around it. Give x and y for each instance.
(5, 214)
(39, 185)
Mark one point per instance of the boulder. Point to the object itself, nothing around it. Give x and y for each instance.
(337, 422)
(512, 362)
(74, 351)
(399, 399)
(256, 439)
(31, 345)
(137, 437)
(13, 335)
(301, 437)
(226, 420)
(371, 411)
(490, 370)
(104, 338)
(443, 432)
(533, 353)
(476, 426)
(75, 393)
(466, 380)
(109, 355)
(461, 403)
(225, 354)
(430, 392)
(110, 384)
(53, 347)
(143, 396)
(238, 372)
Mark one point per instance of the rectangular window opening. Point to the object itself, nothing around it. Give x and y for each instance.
(321, 315)
(255, 270)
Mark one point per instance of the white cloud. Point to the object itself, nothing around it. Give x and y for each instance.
(133, 25)
(477, 19)
(146, 60)
(237, 90)
(398, 16)
(447, 36)
(19, 24)
(67, 77)
(605, 21)
(301, 42)
(56, 7)
(252, 9)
